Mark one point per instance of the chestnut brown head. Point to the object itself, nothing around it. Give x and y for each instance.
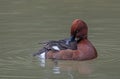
(79, 29)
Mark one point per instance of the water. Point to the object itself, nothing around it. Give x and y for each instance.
(25, 23)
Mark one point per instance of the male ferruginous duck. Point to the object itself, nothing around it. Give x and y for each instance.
(77, 47)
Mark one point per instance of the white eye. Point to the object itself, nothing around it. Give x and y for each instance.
(77, 31)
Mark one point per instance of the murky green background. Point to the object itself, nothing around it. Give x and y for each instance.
(25, 23)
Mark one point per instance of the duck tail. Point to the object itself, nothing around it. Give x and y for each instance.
(40, 52)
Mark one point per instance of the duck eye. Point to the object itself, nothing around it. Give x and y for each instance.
(77, 31)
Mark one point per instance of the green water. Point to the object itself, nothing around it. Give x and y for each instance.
(25, 23)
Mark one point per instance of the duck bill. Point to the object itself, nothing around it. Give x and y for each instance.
(73, 36)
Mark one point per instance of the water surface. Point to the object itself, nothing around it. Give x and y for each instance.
(25, 23)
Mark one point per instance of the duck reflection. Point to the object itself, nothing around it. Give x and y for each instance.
(68, 67)
(56, 68)
(83, 68)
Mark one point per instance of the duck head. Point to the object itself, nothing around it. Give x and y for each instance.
(79, 30)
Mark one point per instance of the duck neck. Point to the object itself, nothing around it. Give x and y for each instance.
(81, 38)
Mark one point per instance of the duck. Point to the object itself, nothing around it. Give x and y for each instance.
(76, 47)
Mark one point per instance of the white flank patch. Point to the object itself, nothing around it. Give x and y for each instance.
(42, 59)
(55, 47)
(42, 56)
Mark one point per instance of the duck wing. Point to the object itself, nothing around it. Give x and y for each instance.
(57, 46)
